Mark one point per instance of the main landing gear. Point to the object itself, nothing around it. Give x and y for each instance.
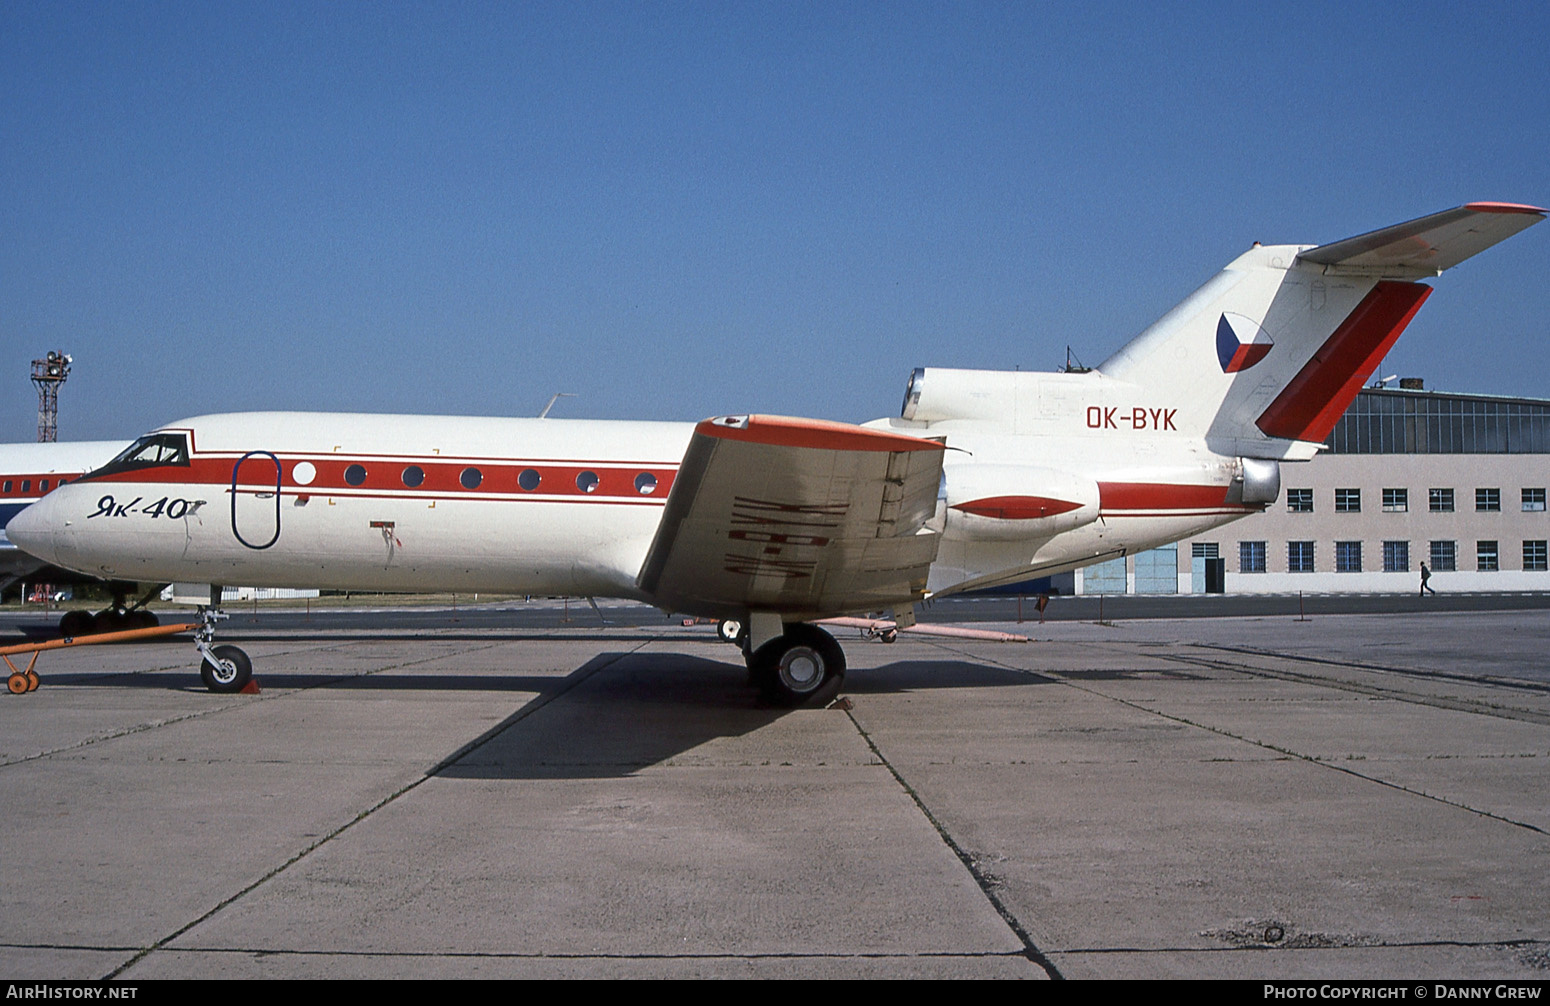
(225, 669)
(801, 666)
(116, 617)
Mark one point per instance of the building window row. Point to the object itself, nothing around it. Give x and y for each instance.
(1487, 500)
(1442, 556)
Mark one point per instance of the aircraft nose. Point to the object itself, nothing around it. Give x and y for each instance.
(32, 530)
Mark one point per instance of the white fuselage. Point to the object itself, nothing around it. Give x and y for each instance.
(549, 506)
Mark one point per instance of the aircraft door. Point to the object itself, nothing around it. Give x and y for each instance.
(255, 499)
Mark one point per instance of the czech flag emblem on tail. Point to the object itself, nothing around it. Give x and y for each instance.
(1240, 343)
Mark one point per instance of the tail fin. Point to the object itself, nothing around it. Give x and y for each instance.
(1271, 351)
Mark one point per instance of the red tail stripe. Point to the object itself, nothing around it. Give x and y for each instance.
(1310, 405)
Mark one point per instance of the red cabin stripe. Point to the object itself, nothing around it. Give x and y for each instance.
(1159, 496)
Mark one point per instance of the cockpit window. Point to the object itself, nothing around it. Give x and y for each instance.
(150, 451)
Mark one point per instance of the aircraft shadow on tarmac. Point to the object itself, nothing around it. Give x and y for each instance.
(621, 713)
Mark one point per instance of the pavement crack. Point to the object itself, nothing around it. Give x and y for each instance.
(1267, 746)
(1450, 703)
(988, 884)
(568, 683)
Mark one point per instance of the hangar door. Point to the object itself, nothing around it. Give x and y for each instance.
(1105, 577)
(1157, 571)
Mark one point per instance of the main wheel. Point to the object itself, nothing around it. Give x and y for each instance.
(75, 623)
(803, 666)
(232, 674)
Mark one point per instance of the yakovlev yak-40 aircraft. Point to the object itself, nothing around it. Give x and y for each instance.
(987, 477)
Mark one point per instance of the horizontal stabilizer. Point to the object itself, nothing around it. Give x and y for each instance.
(1428, 245)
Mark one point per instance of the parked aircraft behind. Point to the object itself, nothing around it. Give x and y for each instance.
(28, 471)
(985, 478)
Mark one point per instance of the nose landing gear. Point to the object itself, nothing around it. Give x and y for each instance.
(226, 669)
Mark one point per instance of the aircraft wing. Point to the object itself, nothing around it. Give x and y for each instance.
(797, 516)
(1428, 245)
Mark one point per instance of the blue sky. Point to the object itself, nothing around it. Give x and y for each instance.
(681, 210)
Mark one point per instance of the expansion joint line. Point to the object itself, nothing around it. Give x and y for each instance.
(1266, 745)
(985, 884)
(570, 682)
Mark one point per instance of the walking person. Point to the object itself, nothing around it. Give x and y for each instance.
(1426, 575)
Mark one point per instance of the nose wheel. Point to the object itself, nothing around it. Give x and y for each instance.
(802, 666)
(226, 669)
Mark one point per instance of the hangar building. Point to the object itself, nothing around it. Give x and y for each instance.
(1407, 477)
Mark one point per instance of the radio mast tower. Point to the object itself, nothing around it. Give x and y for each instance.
(47, 375)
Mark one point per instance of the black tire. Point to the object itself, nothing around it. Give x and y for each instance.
(75, 623)
(729, 629)
(223, 681)
(107, 620)
(805, 666)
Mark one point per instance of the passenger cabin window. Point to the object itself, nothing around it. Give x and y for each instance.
(151, 451)
(8, 486)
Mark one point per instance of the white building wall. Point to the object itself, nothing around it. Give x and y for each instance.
(1418, 525)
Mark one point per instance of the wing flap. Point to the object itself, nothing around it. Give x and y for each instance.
(1428, 245)
(796, 516)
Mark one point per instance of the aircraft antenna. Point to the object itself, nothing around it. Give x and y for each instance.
(1073, 365)
(47, 375)
(555, 398)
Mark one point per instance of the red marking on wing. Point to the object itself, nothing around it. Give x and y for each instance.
(1503, 208)
(785, 431)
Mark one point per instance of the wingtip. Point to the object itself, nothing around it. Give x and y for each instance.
(1488, 207)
